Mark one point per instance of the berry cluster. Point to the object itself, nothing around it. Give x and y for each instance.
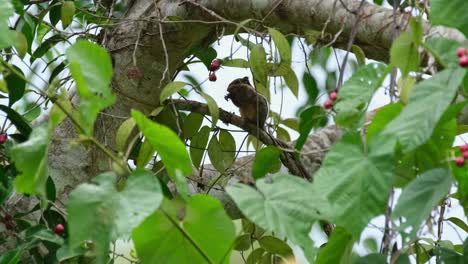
(460, 161)
(214, 66)
(463, 58)
(329, 103)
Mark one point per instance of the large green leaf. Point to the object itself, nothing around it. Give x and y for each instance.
(414, 126)
(356, 93)
(338, 248)
(356, 179)
(282, 45)
(452, 13)
(199, 231)
(30, 158)
(100, 213)
(90, 66)
(419, 198)
(311, 117)
(168, 145)
(285, 205)
(266, 161)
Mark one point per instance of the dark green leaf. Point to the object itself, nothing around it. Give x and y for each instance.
(312, 117)
(243, 243)
(382, 118)
(258, 65)
(16, 85)
(372, 259)
(213, 107)
(275, 246)
(192, 124)
(46, 46)
(198, 145)
(222, 152)
(310, 86)
(338, 248)
(291, 81)
(460, 223)
(266, 160)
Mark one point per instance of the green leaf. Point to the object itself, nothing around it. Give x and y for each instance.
(100, 213)
(360, 55)
(310, 85)
(266, 160)
(17, 120)
(7, 36)
(453, 13)
(16, 85)
(243, 242)
(255, 256)
(123, 133)
(198, 145)
(238, 63)
(192, 124)
(338, 249)
(283, 134)
(12, 256)
(46, 46)
(177, 233)
(287, 206)
(356, 179)
(222, 153)
(21, 44)
(444, 49)
(168, 145)
(416, 27)
(311, 117)
(371, 259)
(356, 94)
(57, 115)
(382, 118)
(414, 126)
(404, 53)
(145, 155)
(292, 123)
(282, 45)
(171, 88)
(30, 158)
(258, 66)
(213, 107)
(275, 246)
(90, 66)
(419, 198)
(67, 13)
(460, 223)
(291, 81)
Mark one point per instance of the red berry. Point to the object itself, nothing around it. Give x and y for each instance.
(333, 96)
(3, 138)
(59, 228)
(465, 154)
(328, 104)
(461, 52)
(460, 161)
(464, 148)
(463, 61)
(212, 77)
(215, 64)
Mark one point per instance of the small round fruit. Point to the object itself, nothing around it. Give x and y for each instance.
(463, 62)
(333, 96)
(3, 138)
(464, 147)
(328, 104)
(59, 228)
(461, 52)
(215, 64)
(212, 77)
(460, 161)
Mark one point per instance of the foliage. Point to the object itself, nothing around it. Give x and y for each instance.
(401, 167)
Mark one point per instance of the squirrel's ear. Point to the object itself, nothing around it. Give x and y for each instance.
(245, 79)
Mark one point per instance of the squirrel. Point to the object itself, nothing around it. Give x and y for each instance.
(252, 106)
